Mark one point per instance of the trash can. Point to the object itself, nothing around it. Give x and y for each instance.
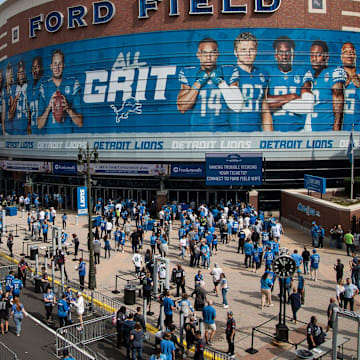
(129, 294)
(33, 251)
(37, 280)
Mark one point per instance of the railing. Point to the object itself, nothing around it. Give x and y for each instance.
(4, 270)
(213, 354)
(91, 330)
(6, 353)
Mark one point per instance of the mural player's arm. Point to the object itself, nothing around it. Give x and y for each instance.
(266, 117)
(188, 94)
(338, 105)
(12, 106)
(232, 94)
(76, 118)
(41, 120)
(276, 102)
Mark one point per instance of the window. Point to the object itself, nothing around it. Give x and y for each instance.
(317, 6)
(15, 36)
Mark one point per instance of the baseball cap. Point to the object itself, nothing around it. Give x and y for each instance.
(79, 294)
(299, 271)
(314, 251)
(313, 222)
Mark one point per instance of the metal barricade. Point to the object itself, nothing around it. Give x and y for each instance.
(4, 270)
(213, 354)
(92, 330)
(78, 352)
(6, 353)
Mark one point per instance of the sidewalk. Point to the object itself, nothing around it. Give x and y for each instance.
(244, 293)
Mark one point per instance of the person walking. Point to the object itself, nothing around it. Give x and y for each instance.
(10, 243)
(209, 317)
(295, 302)
(5, 305)
(49, 302)
(306, 259)
(179, 280)
(107, 245)
(199, 347)
(18, 313)
(339, 269)
(230, 333)
(265, 286)
(80, 308)
(215, 272)
(331, 313)
(169, 306)
(351, 291)
(97, 250)
(314, 265)
(22, 266)
(349, 241)
(63, 309)
(340, 291)
(81, 268)
(315, 333)
(167, 347)
(301, 286)
(136, 339)
(120, 318)
(76, 242)
(224, 289)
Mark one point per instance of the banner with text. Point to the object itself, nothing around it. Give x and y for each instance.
(234, 169)
(82, 200)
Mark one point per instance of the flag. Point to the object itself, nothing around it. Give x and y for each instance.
(349, 153)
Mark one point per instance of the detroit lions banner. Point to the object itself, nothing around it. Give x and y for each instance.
(283, 86)
(82, 200)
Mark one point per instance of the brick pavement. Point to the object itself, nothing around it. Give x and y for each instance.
(244, 293)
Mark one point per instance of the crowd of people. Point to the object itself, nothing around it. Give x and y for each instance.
(201, 234)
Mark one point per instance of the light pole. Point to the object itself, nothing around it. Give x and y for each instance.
(88, 156)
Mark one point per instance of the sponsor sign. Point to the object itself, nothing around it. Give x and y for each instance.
(315, 183)
(234, 169)
(127, 169)
(65, 168)
(188, 170)
(308, 210)
(26, 166)
(82, 200)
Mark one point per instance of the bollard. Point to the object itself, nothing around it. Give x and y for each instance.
(201, 327)
(45, 263)
(116, 291)
(144, 309)
(36, 263)
(162, 315)
(181, 327)
(23, 213)
(76, 220)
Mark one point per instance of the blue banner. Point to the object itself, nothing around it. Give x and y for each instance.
(188, 170)
(82, 200)
(234, 169)
(315, 183)
(65, 168)
(140, 83)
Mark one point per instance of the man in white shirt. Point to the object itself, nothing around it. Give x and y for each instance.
(276, 231)
(215, 272)
(137, 261)
(108, 228)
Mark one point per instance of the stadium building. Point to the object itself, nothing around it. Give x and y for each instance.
(184, 100)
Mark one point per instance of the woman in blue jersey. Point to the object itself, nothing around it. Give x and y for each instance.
(18, 313)
(265, 285)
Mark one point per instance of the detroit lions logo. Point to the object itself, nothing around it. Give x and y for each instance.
(128, 106)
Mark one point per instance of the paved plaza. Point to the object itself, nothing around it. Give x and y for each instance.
(244, 294)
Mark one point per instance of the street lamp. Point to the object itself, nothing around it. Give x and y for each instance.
(88, 156)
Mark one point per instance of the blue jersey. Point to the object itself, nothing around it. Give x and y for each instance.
(283, 84)
(269, 257)
(21, 119)
(209, 111)
(323, 114)
(314, 261)
(253, 88)
(17, 285)
(351, 108)
(70, 88)
(9, 282)
(9, 94)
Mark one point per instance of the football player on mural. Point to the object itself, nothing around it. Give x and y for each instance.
(352, 88)
(205, 92)
(60, 96)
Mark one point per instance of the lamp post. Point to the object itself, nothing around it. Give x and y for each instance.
(88, 156)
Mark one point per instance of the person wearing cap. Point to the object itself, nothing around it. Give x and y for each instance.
(82, 271)
(314, 265)
(314, 234)
(230, 332)
(80, 308)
